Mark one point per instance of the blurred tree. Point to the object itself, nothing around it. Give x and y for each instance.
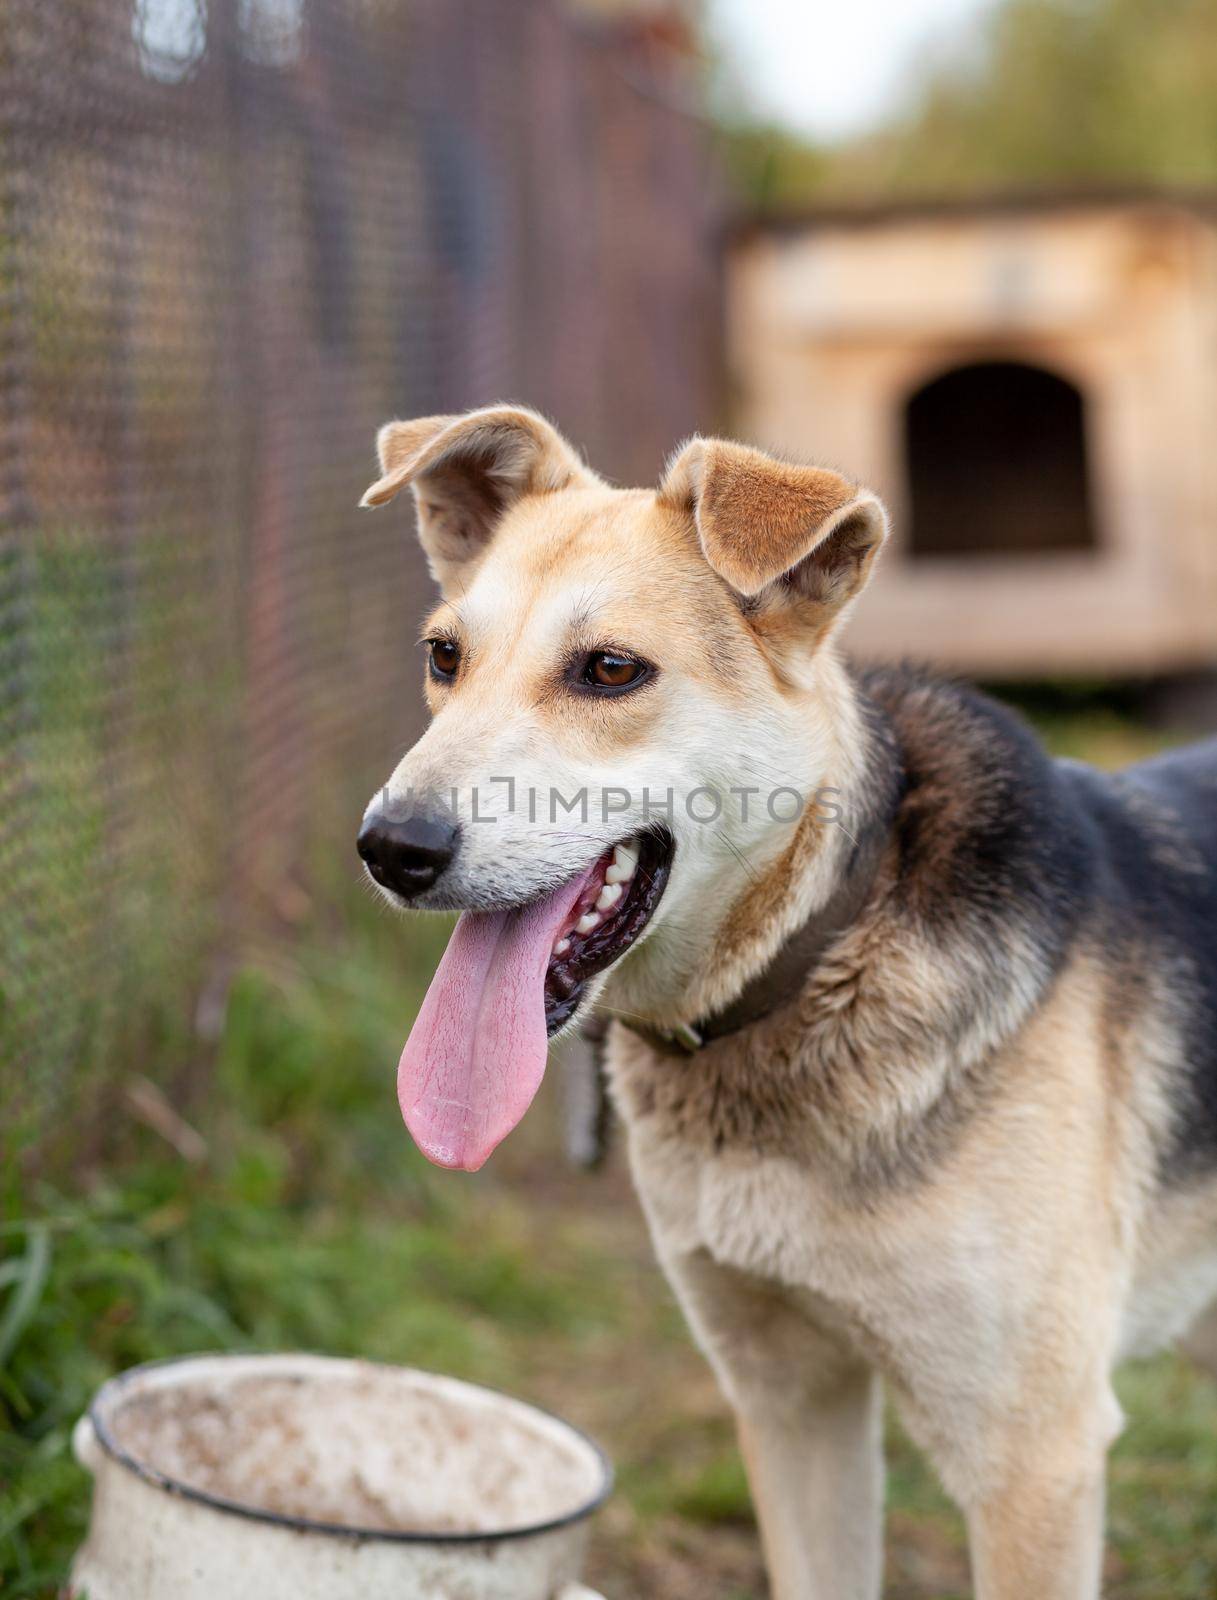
(1043, 93)
(1078, 91)
(769, 167)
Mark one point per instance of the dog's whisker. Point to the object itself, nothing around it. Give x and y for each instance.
(739, 856)
(618, 1011)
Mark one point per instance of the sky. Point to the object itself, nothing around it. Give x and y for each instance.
(833, 68)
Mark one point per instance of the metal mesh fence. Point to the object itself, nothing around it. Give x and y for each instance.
(236, 235)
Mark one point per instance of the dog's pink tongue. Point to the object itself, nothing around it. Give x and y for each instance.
(476, 1053)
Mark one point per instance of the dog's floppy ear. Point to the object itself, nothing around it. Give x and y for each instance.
(779, 534)
(466, 471)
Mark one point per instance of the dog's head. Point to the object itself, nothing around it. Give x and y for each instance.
(623, 687)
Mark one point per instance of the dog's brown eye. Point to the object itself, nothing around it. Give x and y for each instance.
(445, 657)
(607, 671)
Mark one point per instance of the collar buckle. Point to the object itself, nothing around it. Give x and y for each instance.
(685, 1037)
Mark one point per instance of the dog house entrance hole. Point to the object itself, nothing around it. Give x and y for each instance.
(996, 456)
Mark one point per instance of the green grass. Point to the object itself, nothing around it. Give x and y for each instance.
(310, 1222)
(158, 1266)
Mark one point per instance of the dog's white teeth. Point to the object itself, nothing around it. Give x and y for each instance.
(623, 864)
(609, 896)
(562, 946)
(587, 922)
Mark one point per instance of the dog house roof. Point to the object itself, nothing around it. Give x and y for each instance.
(1003, 202)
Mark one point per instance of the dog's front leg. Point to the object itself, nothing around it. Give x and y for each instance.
(815, 1470)
(810, 1421)
(1042, 1537)
(1041, 1532)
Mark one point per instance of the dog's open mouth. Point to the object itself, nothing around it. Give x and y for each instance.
(614, 906)
(507, 981)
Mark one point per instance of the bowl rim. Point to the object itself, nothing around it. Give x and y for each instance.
(111, 1391)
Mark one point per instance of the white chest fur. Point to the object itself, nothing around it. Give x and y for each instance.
(919, 1289)
(896, 1272)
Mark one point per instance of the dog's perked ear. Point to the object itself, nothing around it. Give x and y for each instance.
(780, 535)
(466, 471)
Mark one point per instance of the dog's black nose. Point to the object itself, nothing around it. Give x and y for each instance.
(407, 855)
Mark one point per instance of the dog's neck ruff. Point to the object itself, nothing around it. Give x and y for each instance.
(782, 977)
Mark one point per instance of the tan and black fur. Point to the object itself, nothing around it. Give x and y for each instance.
(971, 1158)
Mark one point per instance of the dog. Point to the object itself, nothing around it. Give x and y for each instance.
(919, 1084)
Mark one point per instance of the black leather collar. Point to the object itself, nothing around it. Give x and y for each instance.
(781, 980)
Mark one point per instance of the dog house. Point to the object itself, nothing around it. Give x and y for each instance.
(1032, 387)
